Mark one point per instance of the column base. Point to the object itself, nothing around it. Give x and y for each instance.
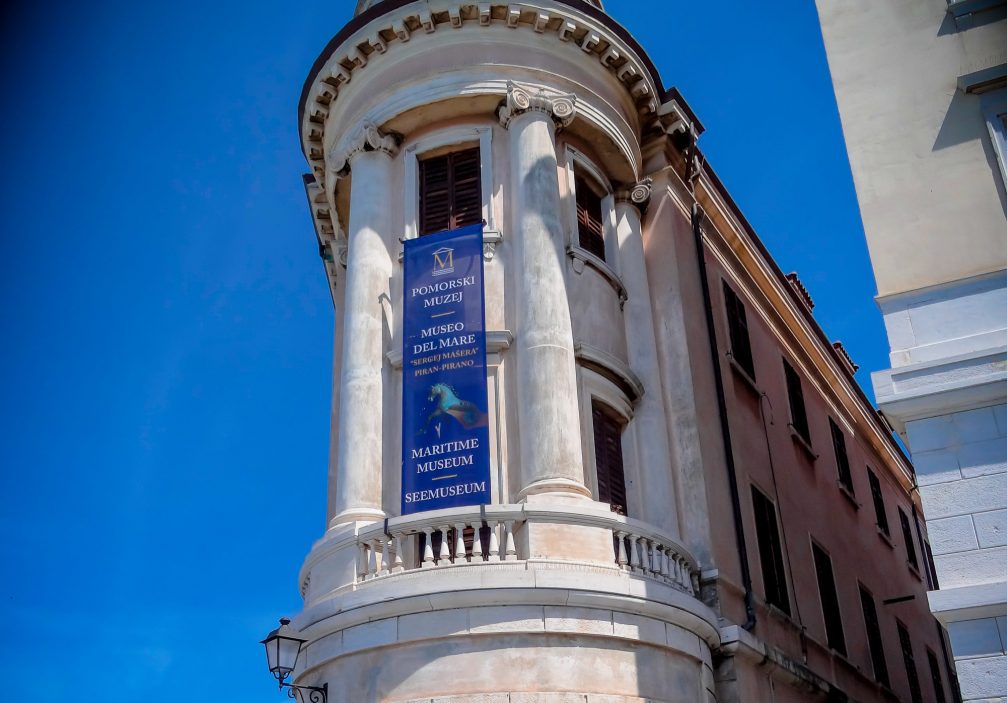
(357, 515)
(556, 489)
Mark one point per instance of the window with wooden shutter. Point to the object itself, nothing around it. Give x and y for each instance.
(767, 531)
(910, 662)
(737, 324)
(879, 502)
(829, 599)
(590, 225)
(907, 537)
(931, 567)
(935, 677)
(798, 413)
(842, 460)
(608, 458)
(450, 191)
(874, 640)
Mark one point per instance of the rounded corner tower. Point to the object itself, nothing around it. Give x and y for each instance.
(580, 580)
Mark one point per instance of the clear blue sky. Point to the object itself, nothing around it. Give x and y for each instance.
(165, 371)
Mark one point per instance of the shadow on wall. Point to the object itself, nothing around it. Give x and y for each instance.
(964, 122)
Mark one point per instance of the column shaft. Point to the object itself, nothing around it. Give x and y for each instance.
(361, 396)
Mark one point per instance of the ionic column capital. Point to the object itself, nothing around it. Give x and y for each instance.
(561, 107)
(637, 194)
(366, 138)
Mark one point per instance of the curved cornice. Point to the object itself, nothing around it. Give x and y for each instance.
(598, 35)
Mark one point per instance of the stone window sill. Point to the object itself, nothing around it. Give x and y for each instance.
(803, 443)
(886, 538)
(849, 495)
(915, 571)
(582, 257)
(740, 371)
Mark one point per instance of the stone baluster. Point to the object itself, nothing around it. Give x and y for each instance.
(510, 552)
(374, 562)
(362, 561)
(634, 561)
(460, 553)
(494, 546)
(620, 557)
(368, 271)
(644, 555)
(445, 553)
(428, 548)
(666, 565)
(397, 564)
(386, 555)
(477, 542)
(548, 413)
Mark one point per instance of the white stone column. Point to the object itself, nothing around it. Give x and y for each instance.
(549, 417)
(368, 272)
(650, 420)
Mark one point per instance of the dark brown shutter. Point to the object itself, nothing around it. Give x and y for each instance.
(737, 323)
(842, 460)
(879, 502)
(798, 413)
(907, 658)
(608, 459)
(874, 638)
(590, 228)
(830, 600)
(770, 551)
(450, 191)
(935, 676)
(907, 537)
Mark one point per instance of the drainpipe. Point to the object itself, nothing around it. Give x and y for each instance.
(725, 428)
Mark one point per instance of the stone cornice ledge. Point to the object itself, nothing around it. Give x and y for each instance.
(582, 257)
(611, 367)
(736, 641)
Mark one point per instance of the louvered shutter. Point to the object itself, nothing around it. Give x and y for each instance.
(450, 191)
(590, 229)
(608, 459)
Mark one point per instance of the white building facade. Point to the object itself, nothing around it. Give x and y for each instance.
(922, 93)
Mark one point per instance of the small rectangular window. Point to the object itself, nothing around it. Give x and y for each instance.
(737, 322)
(935, 676)
(770, 551)
(608, 458)
(907, 537)
(879, 502)
(874, 638)
(450, 191)
(931, 567)
(907, 658)
(798, 413)
(829, 599)
(842, 460)
(590, 223)
(995, 111)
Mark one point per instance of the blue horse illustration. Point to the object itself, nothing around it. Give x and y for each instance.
(466, 413)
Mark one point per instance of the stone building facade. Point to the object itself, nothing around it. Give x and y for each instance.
(692, 499)
(927, 139)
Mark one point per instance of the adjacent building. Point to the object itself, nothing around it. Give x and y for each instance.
(692, 500)
(922, 93)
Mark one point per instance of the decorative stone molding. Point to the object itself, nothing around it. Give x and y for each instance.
(367, 138)
(638, 193)
(561, 107)
(611, 367)
(490, 240)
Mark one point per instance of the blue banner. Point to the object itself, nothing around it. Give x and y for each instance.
(445, 433)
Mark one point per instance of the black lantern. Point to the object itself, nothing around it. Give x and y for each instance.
(282, 649)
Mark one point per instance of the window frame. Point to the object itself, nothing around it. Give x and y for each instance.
(845, 475)
(774, 562)
(459, 138)
(837, 621)
(790, 373)
(912, 554)
(936, 678)
(876, 647)
(595, 387)
(733, 300)
(909, 662)
(878, 497)
(577, 163)
(994, 107)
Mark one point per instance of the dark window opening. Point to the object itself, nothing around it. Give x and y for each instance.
(931, 567)
(910, 662)
(830, 600)
(450, 191)
(874, 639)
(907, 537)
(608, 458)
(935, 676)
(798, 413)
(842, 460)
(770, 552)
(590, 225)
(879, 502)
(737, 322)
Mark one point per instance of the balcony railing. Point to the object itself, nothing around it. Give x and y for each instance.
(461, 536)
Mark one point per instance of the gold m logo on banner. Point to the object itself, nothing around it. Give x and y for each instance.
(444, 261)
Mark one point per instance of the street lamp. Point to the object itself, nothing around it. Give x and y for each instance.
(282, 649)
